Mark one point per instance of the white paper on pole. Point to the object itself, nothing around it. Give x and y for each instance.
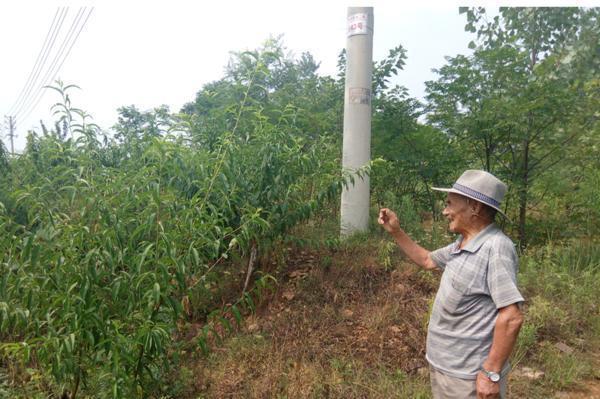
(359, 95)
(357, 24)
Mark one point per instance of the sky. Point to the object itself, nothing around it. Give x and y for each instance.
(150, 53)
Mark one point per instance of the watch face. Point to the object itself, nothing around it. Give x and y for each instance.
(495, 377)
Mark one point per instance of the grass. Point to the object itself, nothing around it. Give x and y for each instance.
(562, 284)
(274, 375)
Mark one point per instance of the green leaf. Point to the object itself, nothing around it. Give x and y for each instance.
(196, 257)
(236, 314)
(225, 322)
(156, 292)
(143, 258)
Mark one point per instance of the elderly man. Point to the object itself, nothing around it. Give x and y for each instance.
(476, 315)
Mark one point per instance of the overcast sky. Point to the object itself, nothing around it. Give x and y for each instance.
(151, 53)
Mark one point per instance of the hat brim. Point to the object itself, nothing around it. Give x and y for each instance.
(455, 191)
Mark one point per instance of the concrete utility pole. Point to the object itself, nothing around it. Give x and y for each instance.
(11, 134)
(357, 118)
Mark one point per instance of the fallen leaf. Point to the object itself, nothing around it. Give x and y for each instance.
(289, 295)
(185, 303)
(396, 329)
(298, 273)
(564, 348)
(530, 373)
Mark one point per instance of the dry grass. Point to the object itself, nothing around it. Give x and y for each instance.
(351, 323)
(340, 325)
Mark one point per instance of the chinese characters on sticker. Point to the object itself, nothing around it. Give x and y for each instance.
(357, 24)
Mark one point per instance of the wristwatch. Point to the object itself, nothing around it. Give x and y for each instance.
(493, 376)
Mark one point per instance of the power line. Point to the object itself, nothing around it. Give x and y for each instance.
(52, 71)
(44, 80)
(38, 66)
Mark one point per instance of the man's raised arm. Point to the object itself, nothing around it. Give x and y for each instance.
(390, 223)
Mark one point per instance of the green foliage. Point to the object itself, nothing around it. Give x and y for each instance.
(564, 370)
(415, 160)
(562, 284)
(518, 104)
(119, 237)
(3, 159)
(387, 68)
(284, 91)
(411, 157)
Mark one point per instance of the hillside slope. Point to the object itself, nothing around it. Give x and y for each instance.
(342, 325)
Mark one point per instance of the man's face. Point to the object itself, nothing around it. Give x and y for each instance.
(457, 213)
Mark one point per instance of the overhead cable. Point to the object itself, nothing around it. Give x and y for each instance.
(40, 62)
(58, 53)
(60, 58)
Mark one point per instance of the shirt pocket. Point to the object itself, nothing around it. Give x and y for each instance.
(463, 275)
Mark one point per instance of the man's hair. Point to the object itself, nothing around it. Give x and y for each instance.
(491, 212)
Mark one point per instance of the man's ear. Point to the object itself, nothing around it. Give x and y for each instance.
(477, 207)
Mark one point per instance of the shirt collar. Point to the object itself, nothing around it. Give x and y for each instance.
(477, 241)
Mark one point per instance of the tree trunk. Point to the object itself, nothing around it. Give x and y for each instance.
(253, 253)
(431, 198)
(525, 167)
(524, 186)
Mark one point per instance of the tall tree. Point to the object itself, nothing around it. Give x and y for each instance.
(506, 100)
